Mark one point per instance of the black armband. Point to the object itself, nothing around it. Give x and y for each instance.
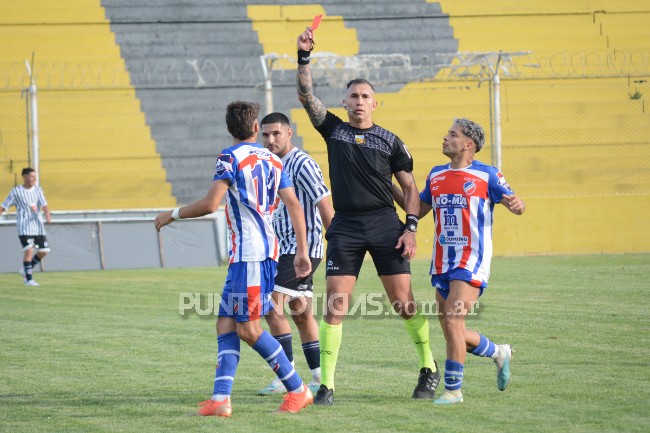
(303, 57)
(411, 223)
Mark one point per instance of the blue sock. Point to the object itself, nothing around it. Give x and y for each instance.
(453, 375)
(269, 349)
(285, 341)
(312, 354)
(28, 270)
(485, 348)
(227, 360)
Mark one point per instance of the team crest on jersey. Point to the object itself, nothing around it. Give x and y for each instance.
(224, 163)
(469, 187)
(360, 139)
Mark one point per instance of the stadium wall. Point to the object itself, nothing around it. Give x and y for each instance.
(575, 138)
(98, 240)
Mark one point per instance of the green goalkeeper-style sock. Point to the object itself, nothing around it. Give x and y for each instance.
(418, 329)
(330, 342)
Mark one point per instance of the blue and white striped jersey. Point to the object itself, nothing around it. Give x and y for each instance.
(307, 178)
(255, 175)
(28, 202)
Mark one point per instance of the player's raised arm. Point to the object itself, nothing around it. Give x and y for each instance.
(314, 107)
(301, 262)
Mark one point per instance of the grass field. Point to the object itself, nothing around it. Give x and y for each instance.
(109, 352)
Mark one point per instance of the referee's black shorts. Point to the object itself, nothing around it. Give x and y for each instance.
(350, 235)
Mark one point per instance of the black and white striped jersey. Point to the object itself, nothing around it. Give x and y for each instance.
(310, 188)
(28, 202)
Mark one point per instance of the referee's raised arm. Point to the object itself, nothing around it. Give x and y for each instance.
(315, 108)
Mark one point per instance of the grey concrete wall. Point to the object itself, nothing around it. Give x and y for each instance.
(95, 241)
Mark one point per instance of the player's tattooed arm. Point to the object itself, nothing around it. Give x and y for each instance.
(314, 107)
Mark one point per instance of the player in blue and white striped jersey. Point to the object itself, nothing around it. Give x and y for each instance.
(252, 180)
(29, 200)
(314, 197)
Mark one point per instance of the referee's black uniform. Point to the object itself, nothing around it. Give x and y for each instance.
(362, 163)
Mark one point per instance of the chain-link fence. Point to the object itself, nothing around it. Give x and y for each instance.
(572, 124)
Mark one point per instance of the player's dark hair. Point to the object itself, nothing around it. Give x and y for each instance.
(473, 131)
(275, 118)
(359, 81)
(27, 170)
(240, 118)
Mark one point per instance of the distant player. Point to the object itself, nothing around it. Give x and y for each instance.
(462, 195)
(253, 180)
(363, 158)
(306, 176)
(29, 200)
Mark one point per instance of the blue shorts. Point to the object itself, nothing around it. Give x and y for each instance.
(441, 281)
(247, 291)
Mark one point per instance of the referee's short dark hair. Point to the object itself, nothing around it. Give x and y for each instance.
(27, 170)
(359, 81)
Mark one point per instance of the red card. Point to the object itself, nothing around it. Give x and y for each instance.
(316, 22)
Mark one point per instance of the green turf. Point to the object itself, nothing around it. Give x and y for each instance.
(109, 352)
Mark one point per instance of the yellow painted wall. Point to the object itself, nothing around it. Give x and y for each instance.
(96, 149)
(572, 206)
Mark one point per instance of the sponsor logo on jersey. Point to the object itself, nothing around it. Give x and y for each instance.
(266, 155)
(437, 179)
(451, 201)
(469, 187)
(359, 139)
(449, 221)
(456, 241)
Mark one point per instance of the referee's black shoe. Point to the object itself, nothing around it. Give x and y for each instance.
(324, 396)
(427, 383)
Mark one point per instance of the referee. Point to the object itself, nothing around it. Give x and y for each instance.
(363, 158)
(29, 200)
